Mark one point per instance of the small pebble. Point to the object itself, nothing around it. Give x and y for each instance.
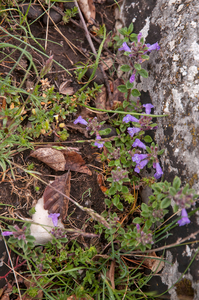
(56, 17)
(34, 12)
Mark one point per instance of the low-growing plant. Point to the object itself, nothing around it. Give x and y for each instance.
(65, 267)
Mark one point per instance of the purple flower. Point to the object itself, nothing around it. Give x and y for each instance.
(99, 145)
(141, 165)
(54, 218)
(138, 143)
(133, 130)
(129, 118)
(138, 157)
(132, 78)
(152, 47)
(184, 220)
(138, 227)
(139, 36)
(125, 47)
(148, 107)
(159, 171)
(80, 120)
(7, 233)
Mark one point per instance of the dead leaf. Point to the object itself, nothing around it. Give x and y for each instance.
(61, 160)
(54, 202)
(88, 9)
(100, 101)
(52, 157)
(107, 63)
(75, 162)
(111, 274)
(65, 89)
(155, 265)
(100, 181)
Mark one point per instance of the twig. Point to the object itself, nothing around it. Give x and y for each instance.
(95, 52)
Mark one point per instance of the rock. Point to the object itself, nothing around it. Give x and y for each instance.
(173, 86)
(34, 12)
(56, 17)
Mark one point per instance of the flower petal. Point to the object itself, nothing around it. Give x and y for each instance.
(138, 143)
(184, 220)
(54, 218)
(125, 47)
(148, 107)
(80, 120)
(130, 118)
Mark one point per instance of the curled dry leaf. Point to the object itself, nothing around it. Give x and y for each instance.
(54, 202)
(61, 160)
(100, 181)
(75, 162)
(88, 9)
(111, 274)
(52, 157)
(155, 264)
(66, 89)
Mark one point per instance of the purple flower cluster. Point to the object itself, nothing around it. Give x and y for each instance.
(136, 51)
(141, 160)
(119, 174)
(144, 122)
(93, 126)
(143, 238)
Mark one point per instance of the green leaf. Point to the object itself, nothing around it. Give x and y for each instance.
(143, 73)
(176, 182)
(165, 203)
(124, 189)
(129, 85)
(137, 67)
(175, 208)
(125, 68)
(135, 93)
(144, 207)
(161, 152)
(148, 224)
(133, 37)
(122, 88)
(112, 190)
(116, 200)
(137, 220)
(111, 163)
(130, 29)
(148, 139)
(172, 191)
(105, 131)
(125, 104)
(120, 206)
(146, 57)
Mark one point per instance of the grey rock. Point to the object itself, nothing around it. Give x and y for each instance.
(173, 86)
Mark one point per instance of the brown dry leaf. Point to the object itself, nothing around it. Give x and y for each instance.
(111, 274)
(100, 181)
(107, 63)
(65, 89)
(155, 265)
(52, 157)
(100, 101)
(54, 202)
(75, 162)
(88, 9)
